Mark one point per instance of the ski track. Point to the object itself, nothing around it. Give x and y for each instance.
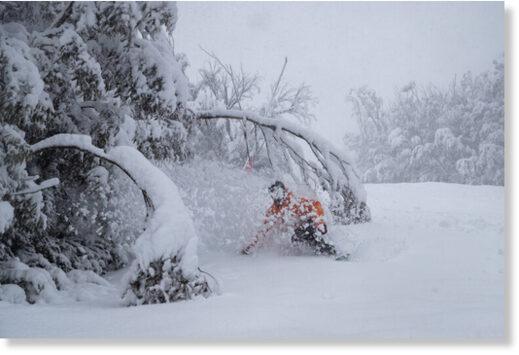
(429, 265)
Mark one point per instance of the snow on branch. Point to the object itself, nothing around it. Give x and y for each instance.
(333, 169)
(166, 267)
(42, 186)
(84, 143)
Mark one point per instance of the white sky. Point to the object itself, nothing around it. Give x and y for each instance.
(335, 46)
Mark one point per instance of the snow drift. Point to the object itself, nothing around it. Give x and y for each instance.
(430, 265)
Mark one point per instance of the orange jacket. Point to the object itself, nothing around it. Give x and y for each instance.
(293, 212)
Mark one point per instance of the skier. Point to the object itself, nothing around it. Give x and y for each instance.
(304, 216)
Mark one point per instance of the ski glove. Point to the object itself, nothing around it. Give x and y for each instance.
(322, 228)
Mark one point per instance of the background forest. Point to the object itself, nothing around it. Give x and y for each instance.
(429, 134)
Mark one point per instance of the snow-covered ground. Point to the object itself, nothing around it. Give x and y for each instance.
(430, 265)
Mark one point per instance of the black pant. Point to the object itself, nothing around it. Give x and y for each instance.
(306, 234)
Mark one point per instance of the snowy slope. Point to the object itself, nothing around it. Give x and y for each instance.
(429, 265)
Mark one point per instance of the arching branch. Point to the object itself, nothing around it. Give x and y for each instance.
(166, 250)
(147, 201)
(333, 168)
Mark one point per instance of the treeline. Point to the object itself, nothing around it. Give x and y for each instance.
(429, 134)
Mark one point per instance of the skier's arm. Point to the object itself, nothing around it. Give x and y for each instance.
(249, 247)
(259, 235)
(320, 224)
(267, 226)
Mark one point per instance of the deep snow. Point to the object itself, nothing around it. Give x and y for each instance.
(430, 265)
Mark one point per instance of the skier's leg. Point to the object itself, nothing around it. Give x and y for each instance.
(303, 235)
(321, 247)
(307, 234)
(300, 236)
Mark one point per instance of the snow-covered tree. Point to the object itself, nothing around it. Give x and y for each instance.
(272, 135)
(107, 70)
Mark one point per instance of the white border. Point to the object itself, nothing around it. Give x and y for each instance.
(156, 347)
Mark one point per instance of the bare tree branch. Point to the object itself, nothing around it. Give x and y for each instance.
(64, 16)
(276, 87)
(292, 101)
(266, 146)
(242, 85)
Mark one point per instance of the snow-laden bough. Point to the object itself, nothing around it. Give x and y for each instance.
(332, 169)
(166, 265)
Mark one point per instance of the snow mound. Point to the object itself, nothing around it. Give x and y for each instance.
(12, 293)
(37, 282)
(86, 276)
(50, 285)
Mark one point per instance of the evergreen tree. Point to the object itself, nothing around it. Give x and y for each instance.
(107, 70)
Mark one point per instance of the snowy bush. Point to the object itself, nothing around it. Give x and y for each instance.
(20, 283)
(165, 281)
(36, 282)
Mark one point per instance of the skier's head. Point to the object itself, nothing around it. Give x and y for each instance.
(278, 192)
